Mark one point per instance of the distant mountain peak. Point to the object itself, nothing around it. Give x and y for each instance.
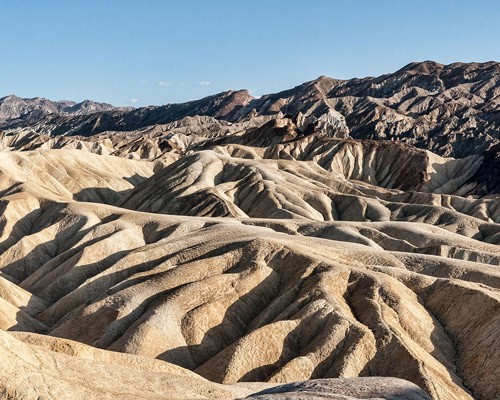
(15, 110)
(423, 67)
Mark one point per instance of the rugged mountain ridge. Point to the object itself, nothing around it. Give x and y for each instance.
(452, 110)
(222, 106)
(17, 111)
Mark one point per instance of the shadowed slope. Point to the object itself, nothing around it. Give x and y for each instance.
(320, 179)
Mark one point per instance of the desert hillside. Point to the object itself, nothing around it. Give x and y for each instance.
(338, 240)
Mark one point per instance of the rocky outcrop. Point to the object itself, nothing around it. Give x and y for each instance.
(342, 389)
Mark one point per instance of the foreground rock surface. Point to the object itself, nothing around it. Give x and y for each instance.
(42, 367)
(344, 389)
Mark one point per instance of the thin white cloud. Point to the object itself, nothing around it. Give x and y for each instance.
(164, 83)
(134, 100)
(204, 83)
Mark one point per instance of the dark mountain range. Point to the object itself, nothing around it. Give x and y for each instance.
(16, 111)
(452, 110)
(222, 106)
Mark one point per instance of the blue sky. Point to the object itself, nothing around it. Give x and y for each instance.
(156, 52)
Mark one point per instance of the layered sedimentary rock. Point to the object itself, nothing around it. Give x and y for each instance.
(400, 289)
